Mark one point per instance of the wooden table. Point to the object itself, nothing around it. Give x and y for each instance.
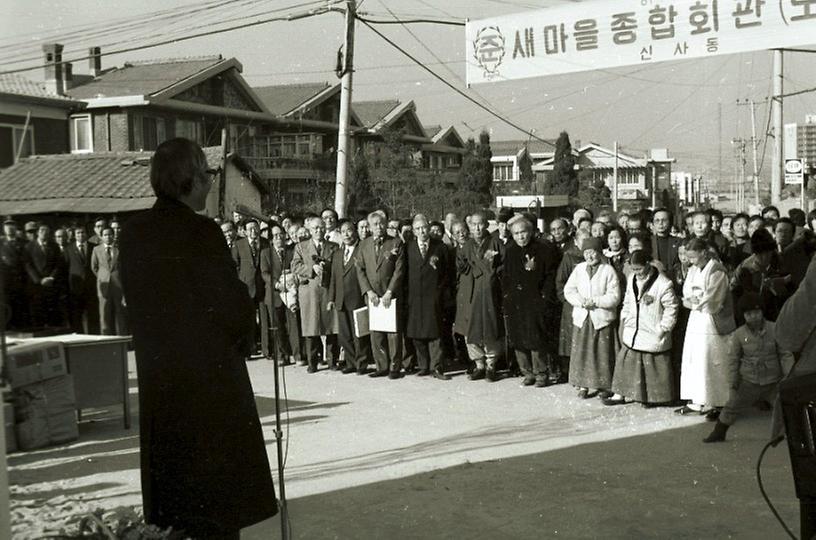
(99, 368)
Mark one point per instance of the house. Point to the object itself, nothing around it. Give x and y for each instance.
(59, 188)
(33, 119)
(446, 150)
(507, 156)
(137, 106)
(642, 181)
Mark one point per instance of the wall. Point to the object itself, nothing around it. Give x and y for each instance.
(239, 190)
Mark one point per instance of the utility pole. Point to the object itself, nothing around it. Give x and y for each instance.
(719, 145)
(777, 163)
(344, 127)
(754, 146)
(615, 181)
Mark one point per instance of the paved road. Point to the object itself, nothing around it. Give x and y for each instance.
(421, 458)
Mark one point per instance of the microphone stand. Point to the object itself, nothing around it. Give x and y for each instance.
(284, 513)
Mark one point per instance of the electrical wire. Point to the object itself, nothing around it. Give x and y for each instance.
(410, 21)
(773, 442)
(458, 91)
(289, 17)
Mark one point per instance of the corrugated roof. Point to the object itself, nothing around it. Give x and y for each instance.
(511, 148)
(12, 83)
(143, 78)
(371, 112)
(95, 182)
(284, 98)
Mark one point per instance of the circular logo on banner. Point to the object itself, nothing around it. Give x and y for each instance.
(488, 50)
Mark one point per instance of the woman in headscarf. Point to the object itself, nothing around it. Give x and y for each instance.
(593, 290)
(643, 370)
(704, 373)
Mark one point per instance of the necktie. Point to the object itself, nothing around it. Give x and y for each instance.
(280, 254)
(254, 250)
(347, 255)
(109, 255)
(378, 245)
(423, 249)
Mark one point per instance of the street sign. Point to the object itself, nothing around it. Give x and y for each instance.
(794, 171)
(604, 34)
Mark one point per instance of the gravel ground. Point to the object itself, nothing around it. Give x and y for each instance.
(421, 458)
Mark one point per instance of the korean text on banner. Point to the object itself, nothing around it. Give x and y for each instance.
(584, 36)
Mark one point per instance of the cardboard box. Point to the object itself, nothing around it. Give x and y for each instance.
(30, 363)
(45, 413)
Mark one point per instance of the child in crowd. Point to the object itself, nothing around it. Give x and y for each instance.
(756, 365)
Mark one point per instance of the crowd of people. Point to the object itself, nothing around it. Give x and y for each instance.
(628, 307)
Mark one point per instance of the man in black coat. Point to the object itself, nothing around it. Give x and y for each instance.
(203, 460)
(246, 252)
(82, 300)
(43, 266)
(665, 247)
(13, 275)
(428, 280)
(345, 296)
(275, 261)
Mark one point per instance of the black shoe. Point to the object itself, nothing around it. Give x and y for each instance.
(349, 369)
(685, 410)
(477, 375)
(647, 405)
(383, 373)
(410, 370)
(437, 374)
(605, 394)
(362, 370)
(543, 383)
(610, 401)
(713, 415)
(562, 379)
(490, 375)
(528, 381)
(718, 434)
(311, 369)
(395, 375)
(422, 372)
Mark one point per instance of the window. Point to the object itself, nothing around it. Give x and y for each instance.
(190, 129)
(503, 172)
(153, 132)
(81, 134)
(299, 146)
(16, 141)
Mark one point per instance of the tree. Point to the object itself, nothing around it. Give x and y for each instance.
(397, 185)
(361, 192)
(476, 175)
(526, 175)
(593, 193)
(564, 179)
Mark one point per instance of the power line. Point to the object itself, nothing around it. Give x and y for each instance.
(458, 91)
(289, 17)
(410, 21)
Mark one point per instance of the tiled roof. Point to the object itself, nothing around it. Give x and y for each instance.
(371, 112)
(284, 98)
(12, 83)
(511, 148)
(143, 78)
(97, 182)
(431, 131)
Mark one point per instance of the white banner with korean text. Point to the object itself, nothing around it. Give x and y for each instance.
(605, 34)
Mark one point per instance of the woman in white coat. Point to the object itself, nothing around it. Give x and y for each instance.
(704, 373)
(643, 370)
(593, 290)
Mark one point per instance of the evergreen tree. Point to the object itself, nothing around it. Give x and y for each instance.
(564, 179)
(476, 174)
(526, 175)
(361, 192)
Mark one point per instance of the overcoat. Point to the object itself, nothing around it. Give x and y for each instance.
(249, 268)
(344, 289)
(571, 258)
(272, 266)
(313, 297)
(485, 322)
(428, 280)
(528, 282)
(464, 295)
(203, 459)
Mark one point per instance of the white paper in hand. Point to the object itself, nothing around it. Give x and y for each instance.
(381, 318)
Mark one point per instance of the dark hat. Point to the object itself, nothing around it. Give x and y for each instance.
(8, 220)
(762, 241)
(592, 243)
(749, 302)
(31, 226)
(505, 214)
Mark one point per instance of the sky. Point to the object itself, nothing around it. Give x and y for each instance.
(670, 105)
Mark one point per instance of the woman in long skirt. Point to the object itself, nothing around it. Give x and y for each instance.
(704, 372)
(593, 290)
(643, 370)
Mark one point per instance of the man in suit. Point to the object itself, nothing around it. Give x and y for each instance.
(246, 252)
(13, 275)
(82, 299)
(428, 277)
(345, 297)
(42, 264)
(99, 224)
(275, 261)
(105, 266)
(448, 237)
(330, 219)
(61, 239)
(380, 269)
(204, 466)
(665, 247)
(312, 264)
